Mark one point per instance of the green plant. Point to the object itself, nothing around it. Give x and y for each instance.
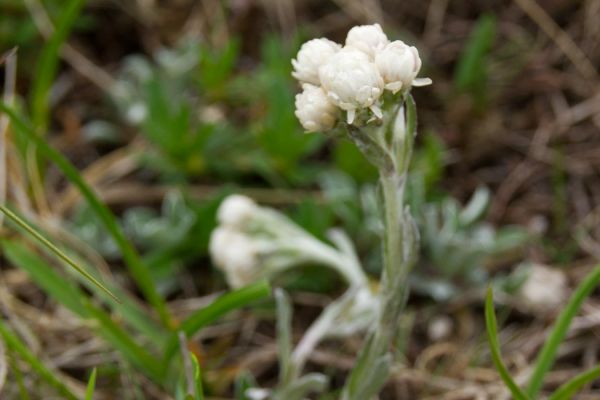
(137, 338)
(547, 354)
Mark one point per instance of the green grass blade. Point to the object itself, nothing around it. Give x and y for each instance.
(284, 337)
(89, 392)
(492, 331)
(137, 269)
(63, 291)
(45, 277)
(125, 344)
(48, 62)
(568, 390)
(66, 293)
(23, 395)
(17, 346)
(199, 391)
(470, 72)
(547, 354)
(59, 253)
(221, 306)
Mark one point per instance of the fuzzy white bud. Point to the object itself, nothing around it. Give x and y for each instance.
(311, 56)
(369, 39)
(314, 109)
(235, 210)
(545, 288)
(235, 254)
(398, 64)
(352, 81)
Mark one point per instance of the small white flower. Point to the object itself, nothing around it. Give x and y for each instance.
(314, 109)
(398, 64)
(545, 288)
(352, 81)
(235, 210)
(236, 254)
(369, 39)
(311, 56)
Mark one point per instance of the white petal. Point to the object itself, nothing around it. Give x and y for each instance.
(422, 82)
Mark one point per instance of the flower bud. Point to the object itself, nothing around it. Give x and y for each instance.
(545, 289)
(352, 81)
(235, 254)
(311, 56)
(369, 39)
(398, 64)
(314, 109)
(235, 210)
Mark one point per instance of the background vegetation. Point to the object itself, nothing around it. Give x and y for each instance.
(163, 108)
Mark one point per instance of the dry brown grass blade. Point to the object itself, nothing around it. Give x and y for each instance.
(10, 76)
(78, 61)
(562, 40)
(3, 366)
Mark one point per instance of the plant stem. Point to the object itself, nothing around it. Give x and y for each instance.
(400, 250)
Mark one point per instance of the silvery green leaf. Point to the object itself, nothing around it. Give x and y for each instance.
(284, 336)
(99, 131)
(476, 207)
(301, 387)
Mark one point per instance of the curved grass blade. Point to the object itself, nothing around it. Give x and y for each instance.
(198, 390)
(284, 337)
(136, 267)
(17, 346)
(221, 306)
(89, 391)
(18, 375)
(74, 299)
(59, 253)
(69, 295)
(48, 62)
(546, 356)
(568, 390)
(492, 331)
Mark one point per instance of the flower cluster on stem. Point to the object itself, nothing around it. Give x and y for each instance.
(368, 81)
(352, 79)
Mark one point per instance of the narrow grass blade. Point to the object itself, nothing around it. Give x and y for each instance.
(17, 346)
(126, 345)
(221, 306)
(23, 395)
(568, 390)
(546, 356)
(284, 337)
(492, 331)
(63, 291)
(54, 285)
(66, 293)
(89, 392)
(48, 62)
(199, 391)
(59, 253)
(137, 269)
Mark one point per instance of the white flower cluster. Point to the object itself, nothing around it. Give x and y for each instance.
(352, 77)
(232, 250)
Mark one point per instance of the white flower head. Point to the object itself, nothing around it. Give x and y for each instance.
(545, 288)
(352, 81)
(398, 64)
(236, 255)
(311, 56)
(314, 109)
(369, 39)
(235, 210)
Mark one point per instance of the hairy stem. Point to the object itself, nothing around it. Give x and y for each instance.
(400, 249)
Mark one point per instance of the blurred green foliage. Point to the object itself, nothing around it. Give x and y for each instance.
(470, 75)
